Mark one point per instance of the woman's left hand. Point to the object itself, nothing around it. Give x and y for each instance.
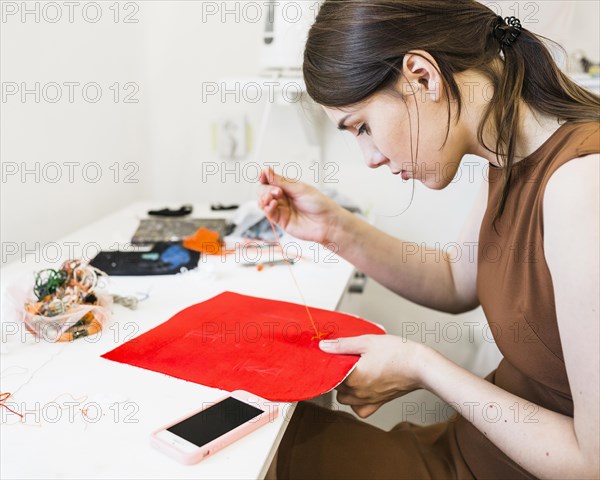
(389, 368)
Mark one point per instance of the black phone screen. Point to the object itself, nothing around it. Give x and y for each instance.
(211, 423)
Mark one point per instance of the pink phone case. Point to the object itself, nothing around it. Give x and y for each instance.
(188, 457)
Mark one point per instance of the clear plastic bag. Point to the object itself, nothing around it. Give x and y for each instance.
(79, 321)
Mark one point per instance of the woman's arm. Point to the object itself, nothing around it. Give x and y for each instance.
(543, 442)
(405, 268)
(551, 445)
(410, 269)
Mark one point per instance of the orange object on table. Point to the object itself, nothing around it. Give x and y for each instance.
(204, 241)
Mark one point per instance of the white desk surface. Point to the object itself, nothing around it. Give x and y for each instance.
(54, 383)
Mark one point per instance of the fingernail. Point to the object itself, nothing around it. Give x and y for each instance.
(327, 344)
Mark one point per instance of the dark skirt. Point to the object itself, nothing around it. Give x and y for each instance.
(326, 444)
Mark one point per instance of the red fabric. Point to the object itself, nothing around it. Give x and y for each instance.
(236, 342)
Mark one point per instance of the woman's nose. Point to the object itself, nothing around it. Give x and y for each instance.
(374, 164)
(376, 160)
(373, 157)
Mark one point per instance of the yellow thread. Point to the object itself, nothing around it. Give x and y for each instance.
(261, 138)
(318, 335)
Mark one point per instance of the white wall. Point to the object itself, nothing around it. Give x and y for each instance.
(188, 50)
(184, 51)
(46, 134)
(169, 54)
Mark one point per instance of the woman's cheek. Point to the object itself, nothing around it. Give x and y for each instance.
(393, 153)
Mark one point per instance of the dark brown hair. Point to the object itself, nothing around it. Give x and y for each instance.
(356, 48)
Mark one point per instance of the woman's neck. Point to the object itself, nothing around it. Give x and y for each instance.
(534, 127)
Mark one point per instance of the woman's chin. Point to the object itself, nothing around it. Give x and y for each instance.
(435, 183)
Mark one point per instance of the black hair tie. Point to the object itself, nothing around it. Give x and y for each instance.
(507, 30)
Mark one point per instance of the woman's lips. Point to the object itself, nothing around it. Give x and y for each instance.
(404, 173)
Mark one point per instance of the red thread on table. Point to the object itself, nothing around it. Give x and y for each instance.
(3, 398)
(318, 335)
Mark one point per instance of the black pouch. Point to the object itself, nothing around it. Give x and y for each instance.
(163, 259)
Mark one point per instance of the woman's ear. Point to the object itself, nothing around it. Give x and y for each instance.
(421, 76)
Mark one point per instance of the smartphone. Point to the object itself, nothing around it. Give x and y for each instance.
(215, 426)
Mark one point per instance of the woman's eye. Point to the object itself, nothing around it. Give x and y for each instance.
(363, 129)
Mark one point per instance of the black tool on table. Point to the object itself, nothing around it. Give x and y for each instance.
(221, 208)
(166, 212)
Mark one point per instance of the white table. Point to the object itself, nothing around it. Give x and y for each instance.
(94, 416)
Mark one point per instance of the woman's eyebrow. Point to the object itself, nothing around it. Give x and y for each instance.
(341, 124)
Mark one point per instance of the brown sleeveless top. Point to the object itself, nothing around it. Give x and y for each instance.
(515, 290)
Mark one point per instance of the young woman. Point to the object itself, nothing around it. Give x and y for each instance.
(421, 84)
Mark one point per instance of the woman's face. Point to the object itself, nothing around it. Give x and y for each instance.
(406, 136)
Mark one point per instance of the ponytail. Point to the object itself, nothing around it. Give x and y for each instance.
(531, 74)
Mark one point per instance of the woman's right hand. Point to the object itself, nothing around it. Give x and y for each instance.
(297, 208)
